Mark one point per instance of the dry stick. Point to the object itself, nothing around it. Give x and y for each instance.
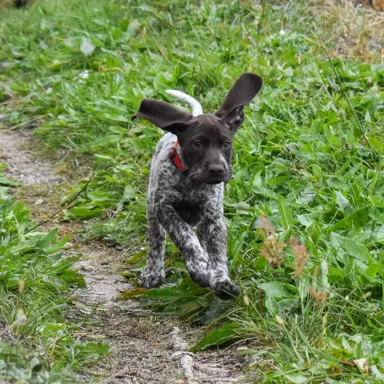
(14, 127)
(344, 94)
(61, 209)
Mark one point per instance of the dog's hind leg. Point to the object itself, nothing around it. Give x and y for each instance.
(154, 274)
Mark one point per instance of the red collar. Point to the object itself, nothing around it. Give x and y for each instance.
(173, 155)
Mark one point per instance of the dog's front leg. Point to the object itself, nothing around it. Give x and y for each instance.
(213, 234)
(185, 239)
(154, 274)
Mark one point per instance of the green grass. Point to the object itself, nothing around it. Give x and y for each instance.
(36, 285)
(304, 158)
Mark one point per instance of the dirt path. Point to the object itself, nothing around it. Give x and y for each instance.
(145, 350)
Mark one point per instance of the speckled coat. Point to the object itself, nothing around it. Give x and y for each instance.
(179, 201)
(175, 204)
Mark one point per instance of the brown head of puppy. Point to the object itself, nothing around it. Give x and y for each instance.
(206, 139)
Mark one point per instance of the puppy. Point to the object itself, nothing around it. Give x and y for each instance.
(186, 186)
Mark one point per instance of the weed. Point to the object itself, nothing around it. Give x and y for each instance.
(309, 156)
(35, 288)
(301, 257)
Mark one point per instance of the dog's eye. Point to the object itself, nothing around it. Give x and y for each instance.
(226, 144)
(197, 144)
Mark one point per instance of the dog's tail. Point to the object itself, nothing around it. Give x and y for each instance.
(196, 106)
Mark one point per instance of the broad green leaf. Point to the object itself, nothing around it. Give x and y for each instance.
(356, 220)
(305, 220)
(286, 212)
(123, 25)
(284, 305)
(98, 196)
(57, 245)
(341, 200)
(377, 216)
(6, 181)
(35, 364)
(47, 239)
(351, 247)
(376, 373)
(372, 270)
(79, 213)
(278, 289)
(377, 144)
(93, 349)
(217, 337)
(242, 207)
(336, 274)
(163, 294)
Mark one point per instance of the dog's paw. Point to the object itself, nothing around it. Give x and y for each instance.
(153, 280)
(225, 289)
(200, 277)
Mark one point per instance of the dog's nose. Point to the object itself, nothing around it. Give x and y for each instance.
(215, 169)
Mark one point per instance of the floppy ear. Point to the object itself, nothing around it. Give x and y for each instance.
(163, 115)
(241, 94)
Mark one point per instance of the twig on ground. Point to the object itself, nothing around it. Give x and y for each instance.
(61, 209)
